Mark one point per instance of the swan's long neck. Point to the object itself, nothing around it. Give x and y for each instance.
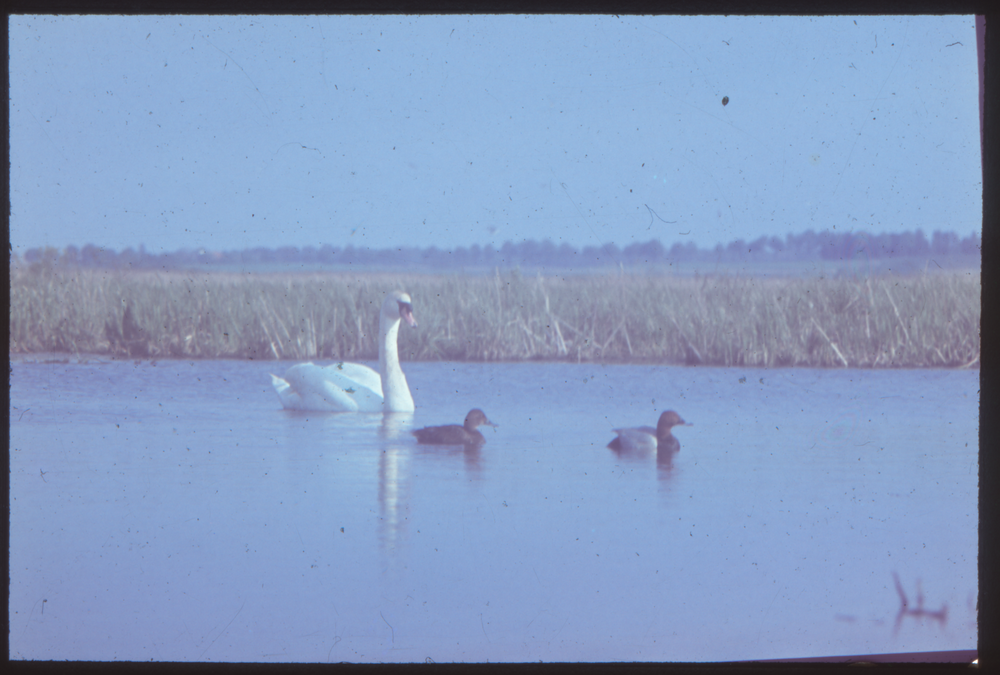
(394, 387)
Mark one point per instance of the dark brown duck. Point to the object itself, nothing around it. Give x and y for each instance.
(455, 434)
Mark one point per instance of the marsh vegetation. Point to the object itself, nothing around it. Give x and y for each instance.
(913, 321)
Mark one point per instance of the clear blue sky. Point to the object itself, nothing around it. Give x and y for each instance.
(234, 132)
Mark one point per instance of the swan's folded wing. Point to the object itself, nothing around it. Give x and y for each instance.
(297, 393)
(325, 388)
(363, 375)
(354, 395)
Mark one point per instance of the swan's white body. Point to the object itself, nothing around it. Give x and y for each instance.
(351, 387)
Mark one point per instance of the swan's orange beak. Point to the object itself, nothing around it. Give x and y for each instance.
(406, 312)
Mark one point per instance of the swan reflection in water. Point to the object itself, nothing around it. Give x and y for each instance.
(394, 479)
(398, 451)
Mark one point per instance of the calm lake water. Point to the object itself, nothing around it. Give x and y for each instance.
(174, 511)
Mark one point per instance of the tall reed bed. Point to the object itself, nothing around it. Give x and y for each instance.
(716, 320)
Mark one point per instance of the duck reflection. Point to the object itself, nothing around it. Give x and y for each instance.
(665, 464)
(472, 456)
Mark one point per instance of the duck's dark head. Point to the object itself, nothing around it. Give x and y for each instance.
(477, 418)
(668, 420)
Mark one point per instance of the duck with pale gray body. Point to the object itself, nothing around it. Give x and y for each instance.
(636, 439)
(351, 387)
(455, 434)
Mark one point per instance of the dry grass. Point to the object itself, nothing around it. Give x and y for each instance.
(919, 321)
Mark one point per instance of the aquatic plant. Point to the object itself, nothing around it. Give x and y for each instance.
(893, 321)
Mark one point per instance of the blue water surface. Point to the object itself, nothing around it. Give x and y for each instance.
(173, 511)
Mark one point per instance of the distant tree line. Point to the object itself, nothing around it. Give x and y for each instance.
(806, 247)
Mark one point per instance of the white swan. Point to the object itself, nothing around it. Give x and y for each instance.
(350, 387)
